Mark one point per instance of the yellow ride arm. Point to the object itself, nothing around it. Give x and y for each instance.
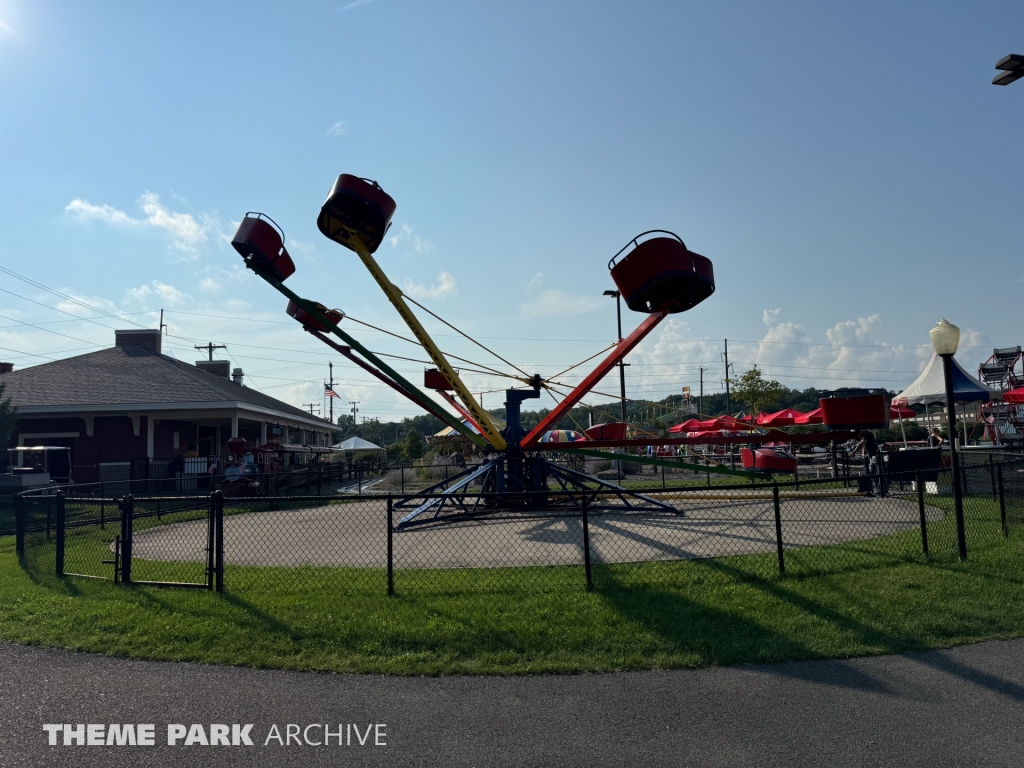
(395, 297)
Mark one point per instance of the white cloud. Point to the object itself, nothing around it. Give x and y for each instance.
(209, 285)
(536, 281)
(168, 294)
(356, 4)
(405, 234)
(83, 210)
(185, 233)
(558, 302)
(771, 316)
(9, 30)
(444, 286)
(338, 129)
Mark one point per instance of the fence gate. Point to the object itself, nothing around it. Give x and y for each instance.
(174, 542)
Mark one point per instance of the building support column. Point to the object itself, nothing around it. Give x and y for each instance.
(150, 435)
(234, 425)
(263, 433)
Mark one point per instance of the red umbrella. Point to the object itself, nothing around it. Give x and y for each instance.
(811, 417)
(723, 422)
(690, 425)
(779, 418)
(1014, 396)
(895, 412)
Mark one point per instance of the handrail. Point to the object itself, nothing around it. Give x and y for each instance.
(264, 216)
(634, 243)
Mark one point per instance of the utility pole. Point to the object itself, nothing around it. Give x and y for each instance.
(700, 402)
(311, 406)
(331, 367)
(210, 347)
(728, 401)
(355, 410)
(162, 325)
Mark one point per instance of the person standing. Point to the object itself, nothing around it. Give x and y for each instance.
(935, 439)
(870, 448)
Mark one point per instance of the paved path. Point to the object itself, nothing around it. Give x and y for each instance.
(962, 707)
(356, 534)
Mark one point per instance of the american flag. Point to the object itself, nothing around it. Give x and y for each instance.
(328, 392)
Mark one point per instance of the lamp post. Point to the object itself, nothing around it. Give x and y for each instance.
(1011, 69)
(945, 338)
(622, 368)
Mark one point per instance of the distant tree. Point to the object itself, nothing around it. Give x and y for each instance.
(413, 448)
(760, 395)
(8, 417)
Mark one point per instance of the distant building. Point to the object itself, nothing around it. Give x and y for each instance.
(126, 408)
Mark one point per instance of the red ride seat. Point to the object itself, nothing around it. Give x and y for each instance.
(334, 315)
(261, 243)
(356, 206)
(662, 275)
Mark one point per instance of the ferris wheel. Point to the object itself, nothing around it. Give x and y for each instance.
(656, 273)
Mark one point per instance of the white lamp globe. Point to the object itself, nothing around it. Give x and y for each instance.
(945, 338)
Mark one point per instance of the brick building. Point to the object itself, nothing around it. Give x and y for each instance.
(131, 406)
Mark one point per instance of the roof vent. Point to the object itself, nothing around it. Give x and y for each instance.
(144, 338)
(236, 376)
(216, 367)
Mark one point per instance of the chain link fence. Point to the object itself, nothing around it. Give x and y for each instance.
(554, 541)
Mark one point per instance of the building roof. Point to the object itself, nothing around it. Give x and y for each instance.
(130, 378)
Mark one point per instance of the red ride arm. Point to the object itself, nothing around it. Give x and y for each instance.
(622, 349)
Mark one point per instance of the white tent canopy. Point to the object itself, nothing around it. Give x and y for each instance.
(357, 444)
(930, 387)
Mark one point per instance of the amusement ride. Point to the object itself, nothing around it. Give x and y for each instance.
(656, 275)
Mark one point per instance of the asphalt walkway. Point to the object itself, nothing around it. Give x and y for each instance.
(962, 707)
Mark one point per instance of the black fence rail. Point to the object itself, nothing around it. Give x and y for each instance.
(552, 541)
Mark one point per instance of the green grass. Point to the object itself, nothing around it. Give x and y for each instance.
(862, 598)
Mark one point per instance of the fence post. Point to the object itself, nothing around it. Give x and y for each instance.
(391, 551)
(920, 509)
(103, 512)
(127, 513)
(211, 542)
(48, 514)
(319, 479)
(19, 526)
(403, 479)
(1002, 502)
(778, 527)
(60, 532)
(992, 472)
(219, 546)
(586, 546)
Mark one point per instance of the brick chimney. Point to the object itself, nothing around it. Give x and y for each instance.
(216, 367)
(143, 338)
(6, 367)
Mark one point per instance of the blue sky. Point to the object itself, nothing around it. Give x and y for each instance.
(847, 167)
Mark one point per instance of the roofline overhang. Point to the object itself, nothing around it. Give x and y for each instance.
(270, 414)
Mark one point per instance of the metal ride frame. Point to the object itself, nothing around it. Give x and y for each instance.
(660, 277)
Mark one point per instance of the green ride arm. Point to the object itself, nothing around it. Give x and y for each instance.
(421, 398)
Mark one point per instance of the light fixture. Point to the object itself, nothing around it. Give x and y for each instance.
(945, 338)
(1012, 67)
